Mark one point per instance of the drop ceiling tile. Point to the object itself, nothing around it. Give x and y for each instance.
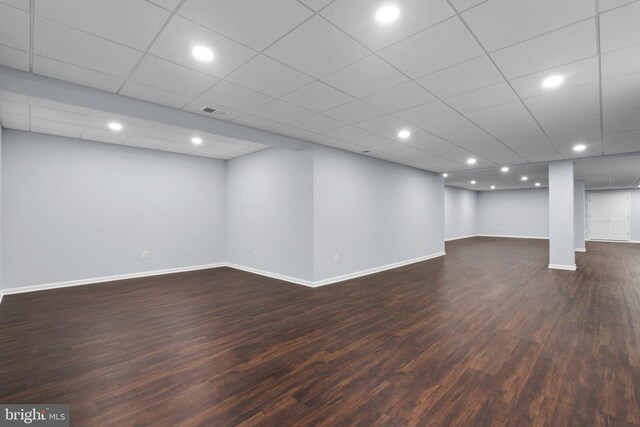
(14, 58)
(548, 51)
(145, 142)
(500, 23)
(316, 4)
(482, 98)
(610, 4)
(282, 112)
(621, 121)
(566, 104)
(221, 112)
(12, 96)
(14, 107)
(427, 113)
(316, 48)
(354, 112)
(621, 62)
(317, 124)
(470, 75)
(357, 18)
(372, 141)
(235, 97)
(131, 125)
(401, 97)
(452, 127)
(14, 27)
(292, 132)
(20, 4)
(104, 135)
(14, 121)
(628, 85)
(61, 106)
(462, 5)
(619, 28)
(55, 127)
(584, 129)
(178, 147)
(575, 74)
(167, 4)
(367, 76)
(257, 122)
(254, 23)
(269, 77)
(621, 142)
(64, 117)
(318, 97)
(154, 131)
(439, 47)
(155, 95)
(440, 147)
(75, 47)
(387, 126)
(178, 39)
(133, 23)
(625, 102)
(75, 74)
(348, 133)
(171, 77)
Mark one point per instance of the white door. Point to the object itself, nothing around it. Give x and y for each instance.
(609, 216)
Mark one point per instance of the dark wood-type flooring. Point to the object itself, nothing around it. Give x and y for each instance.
(484, 336)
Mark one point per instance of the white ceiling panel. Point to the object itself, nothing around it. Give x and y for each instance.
(621, 62)
(221, 112)
(14, 107)
(167, 4)
(316, 48)
(318, 97)
(433, 49)
(554, 49)
(75, 74)
(145, 142)
(565, 133)
(292, 132)
(622, 142)
(612, 104)
(54, 127)
(619, 28)
(486, 97)
(387, 126)
(316, 4)
(14, 58)
(14, 27)
(155, 95)
(257, 122)
(357, 18)
(621, 120)
(20, 4)
(365, 77)
(348, 133)
(269, 77)
(462, 5)
(235, 97)
(178, 39)
(14, 121)
(501, 23)
(427, 113)
(354, 112)
(566, 104)
(401, 97)
(470, 75)
(133, 23)
(282, 112)
(318, 124)
(67, 117)
(628, 85)
(73, 46)
(254, 23)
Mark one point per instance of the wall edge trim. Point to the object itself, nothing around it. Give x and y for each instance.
(563, 267)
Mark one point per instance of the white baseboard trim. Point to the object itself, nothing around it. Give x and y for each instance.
(1, 297)
(373, 270)
(613, 241)
(563, 267)
(460, 237)
(94, 280)
(512, 237)
(282, 277)
(581, 249)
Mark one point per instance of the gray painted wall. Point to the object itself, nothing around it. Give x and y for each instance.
(561, 215)
(579, 215)
(372, 213)
(634, 207)
(523, 213)
(270, 210)
(460, 212)
(76, 210)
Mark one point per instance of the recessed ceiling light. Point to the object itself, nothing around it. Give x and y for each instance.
(445, 174)
(473, 182)
(387, 14)
(404, 134)
(537, 184)
(552, 81)
(504, 169)
(493, 187)
(580, 147)
(115, 126)
(196, 140)
(471, 161)
(524, 178)
(202, 53)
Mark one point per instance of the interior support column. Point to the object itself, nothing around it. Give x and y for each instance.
(579, 214)
(561, 216)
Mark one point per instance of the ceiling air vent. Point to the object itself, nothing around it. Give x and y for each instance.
(214, 111)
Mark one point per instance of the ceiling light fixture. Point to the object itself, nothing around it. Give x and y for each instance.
(387, 14)
(553, 81)
(525, 178)
(580, 147)
(196, 140)
(473, 182)
(445, 174)
(493, 187)
(115, 126)
(471, 161)
(404, 134)
(504, 169)
(537, 184)
(202, 53)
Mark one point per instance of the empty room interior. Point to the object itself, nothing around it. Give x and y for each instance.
(320, 212)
